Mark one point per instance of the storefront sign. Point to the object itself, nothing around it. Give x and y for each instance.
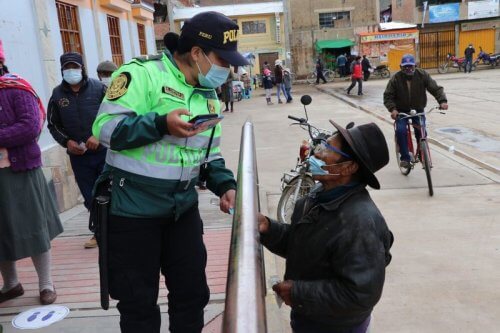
(469, 26)
(389, 36)
(444, 13)
(480, 9)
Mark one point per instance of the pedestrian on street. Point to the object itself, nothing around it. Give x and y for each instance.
(287, 83)
(341, 61)
(337, 244)
(319, 71)
(280, 87)
(247, 86)
(356, 76)
(406, 91)
(227, 95)
(366, 66)
(267, 83)
(29, 220)
(72, 109)
(104, 71)
(155, 159)
(469, 53)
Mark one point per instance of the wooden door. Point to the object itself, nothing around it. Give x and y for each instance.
(270, 58)
(434, 46)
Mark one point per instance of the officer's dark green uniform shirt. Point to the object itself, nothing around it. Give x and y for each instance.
(154, 173)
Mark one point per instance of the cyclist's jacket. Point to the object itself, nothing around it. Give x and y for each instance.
(153, 173)
(404, 95)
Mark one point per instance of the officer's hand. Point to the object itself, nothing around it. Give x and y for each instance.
(263, 223)
(394, 114)
(227, 201)
(74, 148)
(180, 128)
(92, 143)
(284, 290)
(443, 106)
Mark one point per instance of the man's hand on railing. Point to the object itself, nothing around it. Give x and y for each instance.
(227, 201)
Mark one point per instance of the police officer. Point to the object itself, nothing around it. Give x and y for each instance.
(152, 166)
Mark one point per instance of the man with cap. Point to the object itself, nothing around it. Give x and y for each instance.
(337, 245)
(156, 157)
(468, 53)
(104, 71)
(71, 112)
(406, 91)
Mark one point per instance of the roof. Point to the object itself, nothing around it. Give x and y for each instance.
(396, 26)
(230, 10)
(333, 44)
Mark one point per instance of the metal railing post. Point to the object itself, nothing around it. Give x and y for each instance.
(245, 310)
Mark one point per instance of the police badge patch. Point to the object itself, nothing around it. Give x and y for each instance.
(119, 86)
(211, 105)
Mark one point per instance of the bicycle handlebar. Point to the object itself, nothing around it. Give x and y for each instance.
(300, 120)
(404, 116)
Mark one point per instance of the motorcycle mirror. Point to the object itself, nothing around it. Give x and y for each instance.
(306, 100)
(350, 125)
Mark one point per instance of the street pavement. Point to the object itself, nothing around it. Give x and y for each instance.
(444, 276)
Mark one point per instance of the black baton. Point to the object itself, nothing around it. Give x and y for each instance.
(102, 238)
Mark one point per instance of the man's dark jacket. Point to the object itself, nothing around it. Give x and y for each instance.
(398, 97)
(336, 254)
(70, 115)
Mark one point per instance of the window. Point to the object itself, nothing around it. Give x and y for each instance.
(142, 38)
(254, 27)
(115, 39)
(70, 31)
(335, 20)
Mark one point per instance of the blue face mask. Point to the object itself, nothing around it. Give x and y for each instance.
(215, 77)
(72, 76)
(315, 167)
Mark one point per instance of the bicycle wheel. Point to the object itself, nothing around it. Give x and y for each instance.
(329, 75)
(426, 161)
(311, 78)
(287, 201)
(385, 73)
(443, 69)
(405, 171)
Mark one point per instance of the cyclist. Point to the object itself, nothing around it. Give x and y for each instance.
(406, 91)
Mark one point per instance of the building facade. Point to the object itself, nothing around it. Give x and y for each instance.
(115, 30)
(327, 28)
(449, 26)
(261, 34)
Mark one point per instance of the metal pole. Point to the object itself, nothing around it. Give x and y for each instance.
(245, 291)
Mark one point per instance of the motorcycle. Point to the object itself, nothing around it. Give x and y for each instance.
(382, 71)
(487, 59)
(453, 61)
(298, 182)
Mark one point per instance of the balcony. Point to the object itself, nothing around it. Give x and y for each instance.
(143, 10)
(118, 5)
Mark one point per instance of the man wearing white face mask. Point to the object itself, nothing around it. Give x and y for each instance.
(104, 71)
(72, 109)
(337, 245)
(156, 157)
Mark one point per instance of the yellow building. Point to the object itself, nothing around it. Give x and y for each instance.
(261, 34)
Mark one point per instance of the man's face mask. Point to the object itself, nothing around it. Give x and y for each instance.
(316, 167)
(72, 75)
(409, 70)
(215, 77)
(106, 81)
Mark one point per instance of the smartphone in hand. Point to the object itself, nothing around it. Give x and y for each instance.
(206, 120)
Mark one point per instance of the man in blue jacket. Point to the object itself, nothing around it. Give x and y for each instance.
(72, 110)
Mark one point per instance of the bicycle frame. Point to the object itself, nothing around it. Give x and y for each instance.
(423, 137)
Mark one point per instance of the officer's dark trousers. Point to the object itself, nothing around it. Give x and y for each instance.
(87, 169)
(138, 249)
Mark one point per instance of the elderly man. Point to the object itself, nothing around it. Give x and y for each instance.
(337, 245)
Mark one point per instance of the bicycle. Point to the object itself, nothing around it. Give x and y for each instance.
(422, 153)
(327, 73)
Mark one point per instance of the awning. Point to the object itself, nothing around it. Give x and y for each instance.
(333, 44)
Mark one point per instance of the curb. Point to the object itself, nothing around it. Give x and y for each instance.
(437, 143)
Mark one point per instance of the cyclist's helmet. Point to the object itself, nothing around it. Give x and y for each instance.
(408, 60)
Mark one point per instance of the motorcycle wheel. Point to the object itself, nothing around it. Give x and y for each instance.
(385, 73)
(286, 204)
(444, 69)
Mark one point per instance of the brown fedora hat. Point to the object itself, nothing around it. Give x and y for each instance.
(370, 147)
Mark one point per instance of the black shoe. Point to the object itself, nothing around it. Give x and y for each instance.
(348, 92)
(360, 94)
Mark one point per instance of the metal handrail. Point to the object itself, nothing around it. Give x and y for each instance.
(245, 310)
